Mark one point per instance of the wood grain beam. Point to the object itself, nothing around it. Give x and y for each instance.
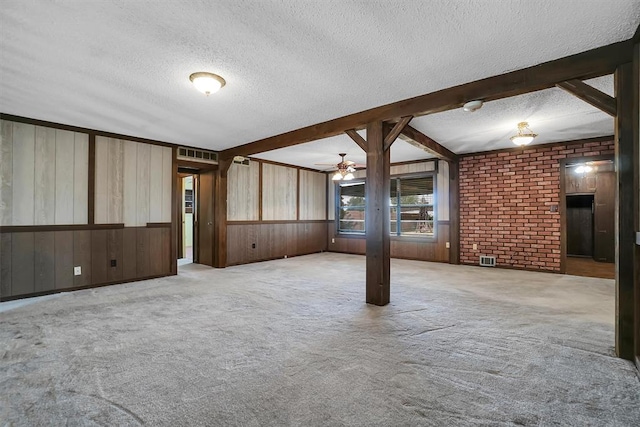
(395, 131)
(592, 63)
(362, 143)
(590, 95)
(428, 144)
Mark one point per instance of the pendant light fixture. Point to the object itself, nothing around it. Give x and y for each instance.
(524, 136)
(207, 83)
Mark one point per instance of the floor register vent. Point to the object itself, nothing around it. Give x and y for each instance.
(487, 261)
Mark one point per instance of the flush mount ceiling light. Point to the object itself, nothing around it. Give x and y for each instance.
(207, 83)
(472, 106)
(524, 135)
(584, 169)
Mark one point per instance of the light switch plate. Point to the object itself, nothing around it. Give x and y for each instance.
(475, 246)
(447, 245)
(77, 271)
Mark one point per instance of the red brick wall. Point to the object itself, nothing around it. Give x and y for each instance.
(505, 204)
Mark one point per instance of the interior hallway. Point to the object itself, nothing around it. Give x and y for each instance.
(290, 342)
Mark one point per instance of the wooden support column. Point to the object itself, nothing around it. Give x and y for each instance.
(625, 218)
(377, 216)
(220, 213)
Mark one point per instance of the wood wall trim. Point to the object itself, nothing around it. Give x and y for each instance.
(79, 129)
(454, 213)
(298, 195)
(286, 165)
(159, 224)
(78, 288)
(592, 63)
(549, 145)
(64, 227)
(176, 213)
(283, 221)
(260, 191)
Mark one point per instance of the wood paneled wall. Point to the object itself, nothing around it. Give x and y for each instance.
(44, 261)
(43, 175)
(243, 192)
(400, 247)
(274, 240)
(313, 195)
(279, 192)
(133, 182)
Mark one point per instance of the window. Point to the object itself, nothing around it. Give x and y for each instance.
(412, 206)
(351, 206)
(411, 203)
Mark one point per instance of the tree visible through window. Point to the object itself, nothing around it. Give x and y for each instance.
(412, 205)
(351, 207)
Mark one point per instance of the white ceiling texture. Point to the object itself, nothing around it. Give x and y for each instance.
(122, 66)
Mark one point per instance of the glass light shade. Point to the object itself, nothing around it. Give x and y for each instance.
(348, 177)
(522, 140)
(207, 83)
(583, 169)
(337, 176)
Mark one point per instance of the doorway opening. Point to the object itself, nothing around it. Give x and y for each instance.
(589, 206)
(186, 241)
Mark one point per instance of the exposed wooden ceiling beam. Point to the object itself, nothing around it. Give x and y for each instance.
(590, 95)
(362, 143)
(395, 131)
(423, 141)
(592, 63)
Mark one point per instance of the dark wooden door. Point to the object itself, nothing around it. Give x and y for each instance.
(205, 218)
(580, 225)
(604, 217)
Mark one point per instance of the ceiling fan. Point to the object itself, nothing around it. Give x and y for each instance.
(344, 169)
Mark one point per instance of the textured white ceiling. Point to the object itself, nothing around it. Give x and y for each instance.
(123, 66)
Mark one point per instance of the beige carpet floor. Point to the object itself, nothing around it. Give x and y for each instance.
(291, 342)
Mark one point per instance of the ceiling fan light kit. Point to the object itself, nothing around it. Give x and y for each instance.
(345, 169)
(207, 83)
(524, 136)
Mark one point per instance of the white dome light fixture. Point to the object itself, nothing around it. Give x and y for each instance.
(207, 83)
(524, 135)
(472, 106)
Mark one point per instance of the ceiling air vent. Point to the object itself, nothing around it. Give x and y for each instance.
(195, 155)
(239, 160)
(487, 261)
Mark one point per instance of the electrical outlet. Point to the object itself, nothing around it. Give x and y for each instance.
(77, 271)
(113, 263)
(333, 240)
(285, 257)
(253, 246)
(475, 246)
(447, 245)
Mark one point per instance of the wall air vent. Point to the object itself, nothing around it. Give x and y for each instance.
(487, 261)
(195, 155)
(239, 160)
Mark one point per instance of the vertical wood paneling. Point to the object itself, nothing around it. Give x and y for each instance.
(142, 256)
(82, 257)
(442, 191)
(101, 180)
(129, 253)
(279, 187)
(64, 259)
(65, 146)
(159, 251)
(23, 173)
(114, 252)
(81, 178)
(243, 192)
(22, 263)
(313, 193)
(44, 261)
(99, 258)
(130, 189)
(167, 183)
(155, 184)
(45, 176)
(114, 182)
(144, 161)
(6, 172)
(5, 265)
